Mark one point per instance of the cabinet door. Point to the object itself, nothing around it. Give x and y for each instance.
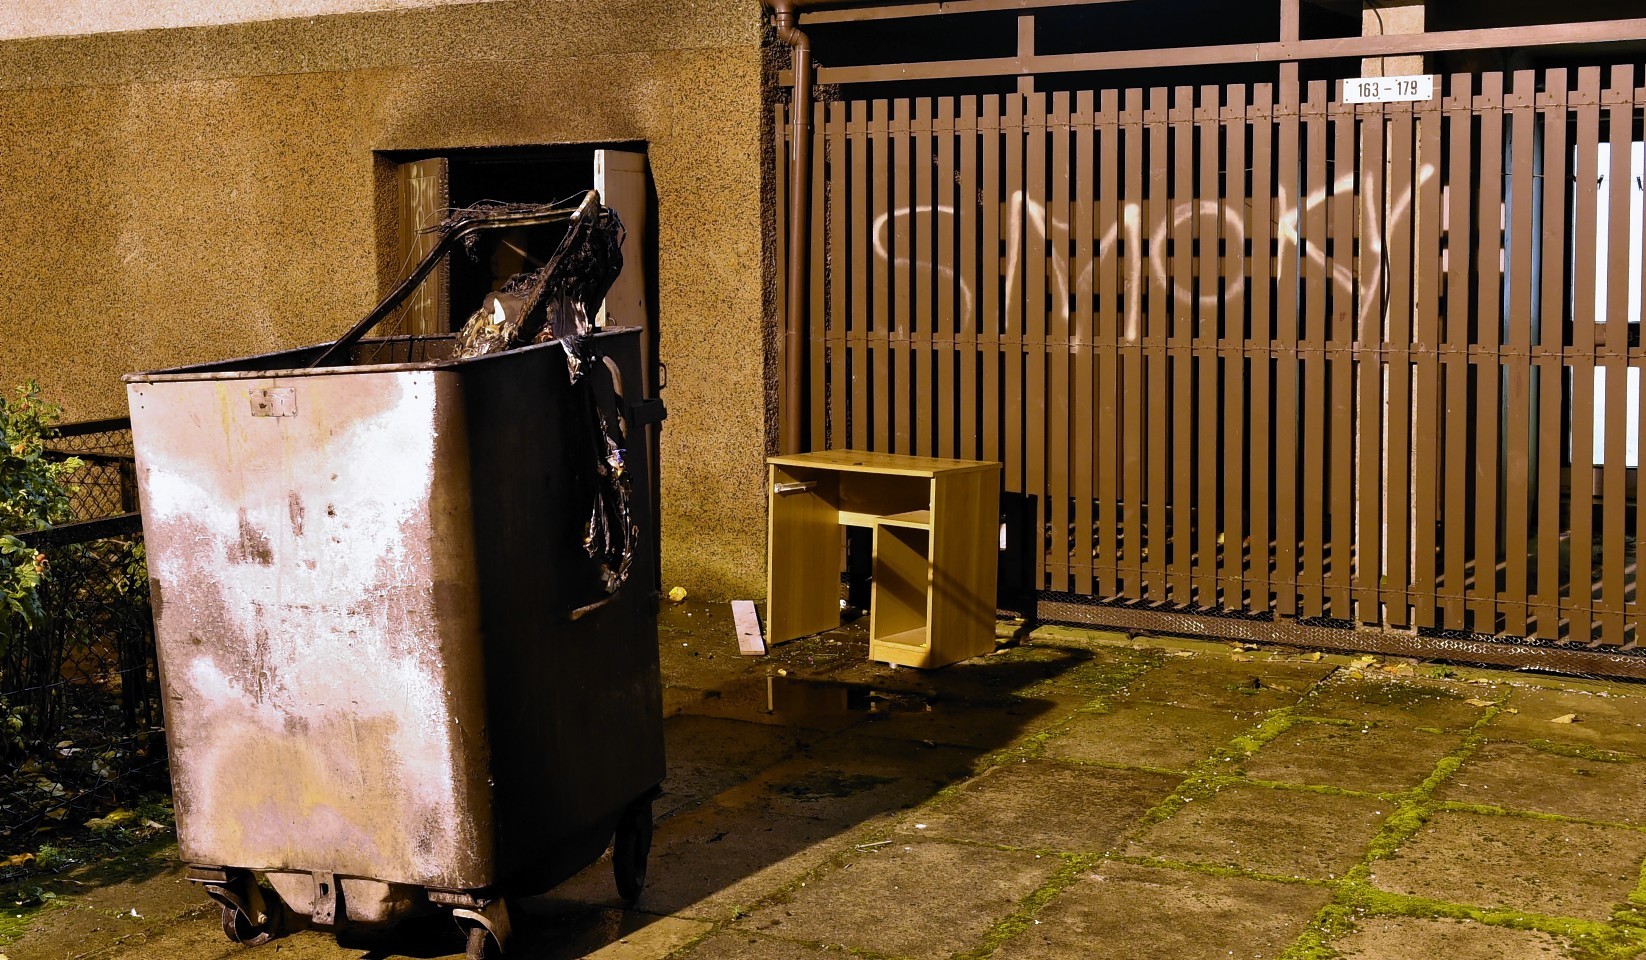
(620, 176)
(425, 195)
(802, 555)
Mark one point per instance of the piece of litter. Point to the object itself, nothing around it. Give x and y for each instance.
(1567, 718)
(749, 641)
(677, 594)
(1315, 656)
(1478, 703)
(877, 843)
(136, 914)
(920, 826)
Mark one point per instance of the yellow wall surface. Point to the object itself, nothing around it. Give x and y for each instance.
(172, 196)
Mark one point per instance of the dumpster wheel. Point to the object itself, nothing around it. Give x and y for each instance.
(482, 945)
(631, 846)
(240, 928)
(248, 917)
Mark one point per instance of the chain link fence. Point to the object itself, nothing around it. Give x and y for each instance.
(79, 693)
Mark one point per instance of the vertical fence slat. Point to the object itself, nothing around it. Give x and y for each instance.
(1208, 463)
(945, 218)
(1580, 616)
(922, 326)
(1638, 617)
(1454, 477)
(1619, 97)
(1489, 334)
(1517, 448)
(839, 278)
(1367, 424)
(966, 209)
(1397, 478)
(1157, 412)
(1231, 347)
(1340, 277)
(817, 317)
(1011, 342)
(1288, 280)
(885, 234)
(1032, 357)
(1179, 336)
(1109, 449)
(1262, 266)
(1428, 215)
(989, 273)
(1313, 248)
(1132, 389)
(1054, 393)
(857, 131)
(903, 232)
(1083, 391)
(1551, 367)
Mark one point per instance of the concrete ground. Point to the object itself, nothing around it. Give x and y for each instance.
(1080, 795)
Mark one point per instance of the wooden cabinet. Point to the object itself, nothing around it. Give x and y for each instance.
(935, 522)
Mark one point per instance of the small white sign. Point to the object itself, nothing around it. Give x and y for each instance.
(1388, 89)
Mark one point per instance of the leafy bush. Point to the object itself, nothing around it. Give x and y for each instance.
(34, 494)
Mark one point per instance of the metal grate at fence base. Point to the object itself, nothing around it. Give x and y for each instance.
(1345, 636)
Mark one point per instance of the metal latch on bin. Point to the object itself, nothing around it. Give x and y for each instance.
(274, 402)
(323, 912)
(648, 412)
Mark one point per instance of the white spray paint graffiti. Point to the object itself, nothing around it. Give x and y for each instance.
(1026, 222)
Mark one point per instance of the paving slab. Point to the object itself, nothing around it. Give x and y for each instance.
(1034, 668)
(850, 779)
(1374, 759)
(1407, 938)
(1147, 735)
(1547, 778)
(1556, 868)
(1600, 719)
(1047, 806)
(709, 862)
(1397, 701)
(978, 726)
(1286, 833)
(706, 755)
(1213, 681)
(1125, 912)
(748, 946)
(603, 935)
(882, 899)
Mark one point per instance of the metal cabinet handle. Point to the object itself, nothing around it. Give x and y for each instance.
(799, 487)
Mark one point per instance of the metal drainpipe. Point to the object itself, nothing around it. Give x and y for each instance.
(784, 18)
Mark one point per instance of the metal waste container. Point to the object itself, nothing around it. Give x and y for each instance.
(395, 680)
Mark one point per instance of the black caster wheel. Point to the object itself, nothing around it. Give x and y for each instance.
(630, 848)
(239, 928)
(482, 945)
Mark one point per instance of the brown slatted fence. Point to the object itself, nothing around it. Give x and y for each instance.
(1253, 350)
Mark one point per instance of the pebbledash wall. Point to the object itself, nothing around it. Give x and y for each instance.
(173, 190)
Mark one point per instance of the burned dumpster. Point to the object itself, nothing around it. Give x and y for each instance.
(404, 602)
